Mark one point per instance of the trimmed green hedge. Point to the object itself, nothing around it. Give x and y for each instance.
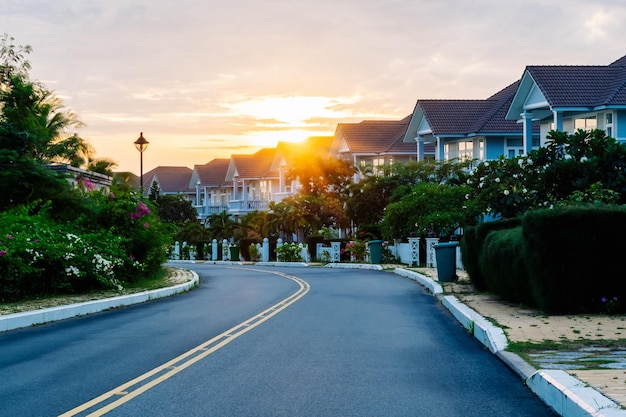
(562, 260)
(472, 244)
(575, 257)
(503, 267)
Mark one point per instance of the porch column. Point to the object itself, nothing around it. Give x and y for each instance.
(558, 120)
(527, 119)
(420, 148)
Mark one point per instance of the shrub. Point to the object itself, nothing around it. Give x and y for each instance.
(289, 252)
(472, 246)
(503, 266)
(574, 256)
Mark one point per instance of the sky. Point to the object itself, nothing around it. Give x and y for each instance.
(205, 79)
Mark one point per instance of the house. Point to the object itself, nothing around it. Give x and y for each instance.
(212, 191)
(571, 97)
(170, 180)
(373, 143)
(468, 129)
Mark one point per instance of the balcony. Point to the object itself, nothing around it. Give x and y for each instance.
(239, 207)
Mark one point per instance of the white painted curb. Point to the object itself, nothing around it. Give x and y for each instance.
(46, 315)
(354, 266)
(429, 283)
(293, 264)
(570, 397)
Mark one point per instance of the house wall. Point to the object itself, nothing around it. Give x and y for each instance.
(494, 147)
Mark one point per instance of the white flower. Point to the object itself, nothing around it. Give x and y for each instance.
(584, 159)
(486, 163)
(72, 270)
(529, 161)
(467, 196)
(567, 156)
(497, 180)
(506, 192)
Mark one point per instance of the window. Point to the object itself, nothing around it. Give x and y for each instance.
(608, 124)
(466, 150)
(586, 123)
(513, 147)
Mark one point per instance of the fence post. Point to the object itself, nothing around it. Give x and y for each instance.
(177, 251)
(214, 250)
(431, 259)
(266, 250)
(414, 251)
(335, 251)
(225, 254)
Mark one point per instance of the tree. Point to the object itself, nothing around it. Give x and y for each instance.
(155, 191)
(176, 209)
(221, 225)
(103, 166)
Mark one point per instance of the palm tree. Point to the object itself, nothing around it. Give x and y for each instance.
(221, 225)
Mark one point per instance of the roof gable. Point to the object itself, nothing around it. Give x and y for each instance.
(253, 166)
(170, 179)
(211, 174)
(372, 137)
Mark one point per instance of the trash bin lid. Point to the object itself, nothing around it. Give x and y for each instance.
(446, 245)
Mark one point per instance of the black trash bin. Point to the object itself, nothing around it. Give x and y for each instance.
(445, 253)
(376, 251)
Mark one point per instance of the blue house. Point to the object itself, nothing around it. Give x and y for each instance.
(468, 129)
(572, 97)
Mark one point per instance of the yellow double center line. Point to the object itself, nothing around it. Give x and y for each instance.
(126, 392)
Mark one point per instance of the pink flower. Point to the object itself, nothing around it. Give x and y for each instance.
(9, 236)
(3, 252)
(146, 225)
(132, 258)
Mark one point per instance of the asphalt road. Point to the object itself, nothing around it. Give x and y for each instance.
(252, 342)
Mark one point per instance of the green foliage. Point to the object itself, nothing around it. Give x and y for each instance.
(503, 266)
(472, 246)
(175, 209)
(428, 208)
(289, 252)
(253, 253)
(39, 256)
(570, 169)
(573, 255)
(356, 250)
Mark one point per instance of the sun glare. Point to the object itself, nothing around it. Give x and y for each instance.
(293, 111)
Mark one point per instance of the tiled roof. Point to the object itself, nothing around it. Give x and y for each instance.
(257, 165)
(580, 86)
(376, 136)
(170, 179)
(463, 117)
(213, 173)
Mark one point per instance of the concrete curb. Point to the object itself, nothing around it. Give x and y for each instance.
(46, 315)
(354, 266)
(292, 264)
(566, 395)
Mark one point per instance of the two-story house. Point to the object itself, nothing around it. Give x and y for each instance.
(212, 191)
(571, 97)
(373, 143)
(468, 129)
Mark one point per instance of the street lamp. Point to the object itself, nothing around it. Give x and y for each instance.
(141, 144)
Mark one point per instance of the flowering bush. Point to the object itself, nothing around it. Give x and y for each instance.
(117, 240)
(289, 252)
(357, 250)
(586, 167)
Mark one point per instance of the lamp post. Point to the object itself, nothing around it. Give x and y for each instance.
(141, 144)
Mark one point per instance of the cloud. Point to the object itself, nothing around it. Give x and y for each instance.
(192, 70)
